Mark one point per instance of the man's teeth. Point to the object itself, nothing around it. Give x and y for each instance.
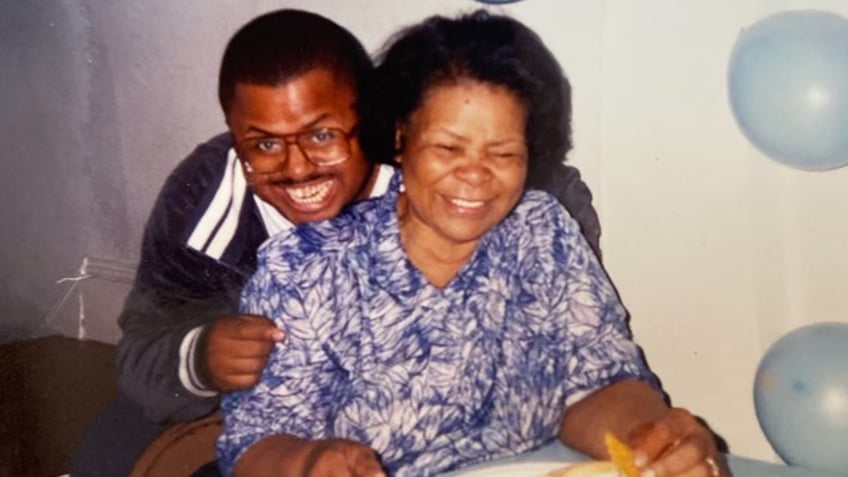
(309, 194)
(467, 204)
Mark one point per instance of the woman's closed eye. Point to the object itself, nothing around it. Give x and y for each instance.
(507, 155)
(444, 149)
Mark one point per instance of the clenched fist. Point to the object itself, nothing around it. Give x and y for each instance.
(234, 349)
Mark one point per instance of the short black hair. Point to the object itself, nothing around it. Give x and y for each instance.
(279, 46)
(488, 48)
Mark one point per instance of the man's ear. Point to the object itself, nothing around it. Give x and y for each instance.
(230, 128)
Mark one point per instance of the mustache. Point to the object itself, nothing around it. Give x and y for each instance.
(280, 178)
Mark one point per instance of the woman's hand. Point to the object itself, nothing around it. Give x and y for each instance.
(667, 442)
(676, 444)
(341, 458)
(284, 455)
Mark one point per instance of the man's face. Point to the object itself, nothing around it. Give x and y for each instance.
(296, 187)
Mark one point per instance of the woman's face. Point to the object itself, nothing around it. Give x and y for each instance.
(464, 160)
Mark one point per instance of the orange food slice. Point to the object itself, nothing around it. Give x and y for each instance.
(621, 455)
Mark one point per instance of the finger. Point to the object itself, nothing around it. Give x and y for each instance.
(687, 456)
(364, 463)
(651, 440)
(255, 328)
(648, 442)
(701, 469)
(237, 349)
(372, 469)
(243, 366)
(237, 382)
(330, 463)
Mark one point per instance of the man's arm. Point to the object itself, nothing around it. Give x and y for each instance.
(151, 355)
(180, 348)
(177, 293)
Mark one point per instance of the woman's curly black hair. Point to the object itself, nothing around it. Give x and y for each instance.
(480, 46)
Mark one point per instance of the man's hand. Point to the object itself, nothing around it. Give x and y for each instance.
(234, 349)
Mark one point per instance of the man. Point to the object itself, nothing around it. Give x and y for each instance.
(296, 93)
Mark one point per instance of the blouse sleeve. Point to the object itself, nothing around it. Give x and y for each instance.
(594, 331)
(294, 395)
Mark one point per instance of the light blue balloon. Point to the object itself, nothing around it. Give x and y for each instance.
(801, 397)
(788, 85)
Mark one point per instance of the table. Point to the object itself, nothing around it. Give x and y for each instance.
(739, 466)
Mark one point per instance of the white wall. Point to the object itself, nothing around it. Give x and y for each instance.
(716, 249)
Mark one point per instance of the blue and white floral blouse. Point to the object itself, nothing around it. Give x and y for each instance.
(431, 378)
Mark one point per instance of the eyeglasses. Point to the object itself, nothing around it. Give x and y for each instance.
(320, 146)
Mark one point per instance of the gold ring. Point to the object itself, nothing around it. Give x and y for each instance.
(711, 463)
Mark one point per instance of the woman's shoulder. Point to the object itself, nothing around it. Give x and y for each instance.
(539, 228)
(539, 211)
(324, 240)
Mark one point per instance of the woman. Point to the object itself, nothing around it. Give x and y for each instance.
(458, 318)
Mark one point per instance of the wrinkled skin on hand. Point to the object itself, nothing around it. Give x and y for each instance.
(234, 349)
(676, 444)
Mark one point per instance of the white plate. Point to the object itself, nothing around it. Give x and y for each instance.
(521, 469)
